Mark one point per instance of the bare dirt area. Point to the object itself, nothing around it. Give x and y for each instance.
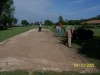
(35, 50)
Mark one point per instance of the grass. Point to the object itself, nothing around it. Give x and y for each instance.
(5, 34)
(62, 73)
(16, 72)
(21, 72)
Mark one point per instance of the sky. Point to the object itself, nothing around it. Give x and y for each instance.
(41, 10)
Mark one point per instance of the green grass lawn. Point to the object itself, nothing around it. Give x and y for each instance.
(5, 34)
(62, 73)
(16, 72)
(20, 72)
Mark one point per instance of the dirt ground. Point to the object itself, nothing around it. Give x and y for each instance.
(35, 50)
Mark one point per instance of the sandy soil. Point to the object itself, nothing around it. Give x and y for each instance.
(35, 50)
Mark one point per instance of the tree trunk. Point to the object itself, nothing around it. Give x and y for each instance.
(5, 24)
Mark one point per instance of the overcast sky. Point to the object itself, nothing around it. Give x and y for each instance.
(40, 10)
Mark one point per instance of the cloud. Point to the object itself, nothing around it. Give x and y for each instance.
(77, 1)
(85, 10)
(34, 10)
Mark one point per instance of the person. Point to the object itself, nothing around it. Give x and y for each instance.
(69, 32)
(40, 24)
(58, 31)
(60, 24)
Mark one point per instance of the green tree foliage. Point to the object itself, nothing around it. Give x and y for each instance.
(24, 23)
(31, 24)
(15, 21)
(77, 22)
(48, 22)
(7, 12)
(71, 22)
(2, 3)
(11, 20)
(95, 18)
(60, 19)
(36, 23)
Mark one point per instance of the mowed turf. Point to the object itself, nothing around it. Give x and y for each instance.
(20, 72)
(5, 34)
(16, 72)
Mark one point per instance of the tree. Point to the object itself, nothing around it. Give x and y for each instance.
(2, 3)
(71, 22)
(77, 22)
(36, 23)
(7, 12)
(15, 21)
(48, 22)
(60, 19)
(31, 24)
(66, 20)
(24, 23)
(11, 20)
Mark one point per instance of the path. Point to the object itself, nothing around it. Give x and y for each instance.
(35, 50)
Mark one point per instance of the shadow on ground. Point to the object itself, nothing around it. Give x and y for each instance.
(4, 29)
(88, 47)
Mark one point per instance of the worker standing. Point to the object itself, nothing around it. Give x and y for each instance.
(69, 32)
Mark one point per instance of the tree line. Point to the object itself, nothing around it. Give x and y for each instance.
(70, 22)
(60, 19)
